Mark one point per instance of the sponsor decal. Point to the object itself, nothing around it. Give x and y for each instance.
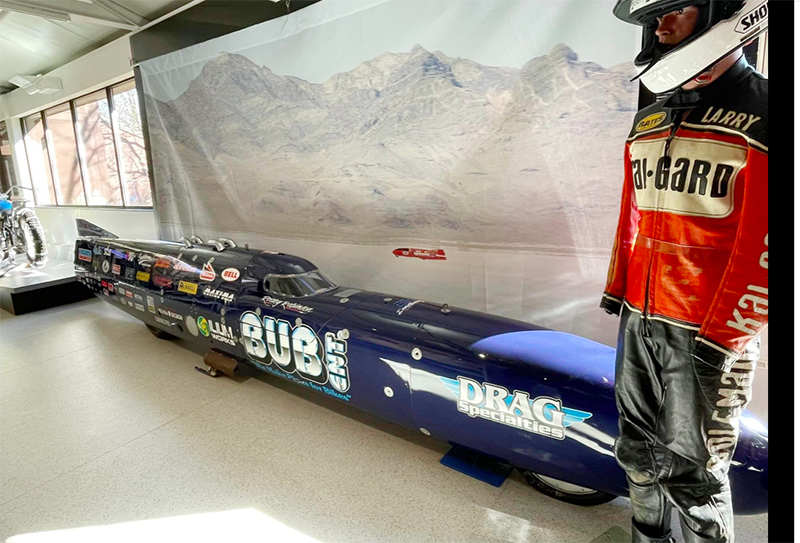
(216, 330)
(405, 305)
(129, 294)
(202, 325)
(97, 250)
(85, 255)
(544, 416)
(163, 321)
(105, 292)
(104, 283)
(758, 302)
(121, 291)
(218, 294)
(636, 5)
(130, 273)
(162, 263)
(651, 121)
(110, 287)
(730, 118)
(119, 254)
(732, 397)
(424, 254)
(139, 307)
(115, 269)
(750, 20)
(208, 273)
(161, 281)
(184, 267)
(138, 297)
(151, 304)
(106, 266)
(289, 306)
(189, 288)
(297, 353)
(146, 261)
(230, 274)
(169, 313)
(682, 183)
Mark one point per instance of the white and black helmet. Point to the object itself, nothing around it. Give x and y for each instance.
(722, 26)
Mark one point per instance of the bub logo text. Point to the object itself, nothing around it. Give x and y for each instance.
(296, 350)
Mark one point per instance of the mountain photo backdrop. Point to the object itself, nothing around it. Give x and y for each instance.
(409, 147)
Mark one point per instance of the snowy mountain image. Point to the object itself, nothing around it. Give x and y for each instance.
(410, 146)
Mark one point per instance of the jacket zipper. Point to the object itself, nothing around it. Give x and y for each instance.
(658, 223)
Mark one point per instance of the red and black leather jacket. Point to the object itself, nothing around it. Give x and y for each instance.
(691, 243)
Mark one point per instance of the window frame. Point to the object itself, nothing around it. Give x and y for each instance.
(109, 95)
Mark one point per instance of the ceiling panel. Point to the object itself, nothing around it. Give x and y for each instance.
(32, 45)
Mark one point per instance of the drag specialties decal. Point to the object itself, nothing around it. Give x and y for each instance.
(283, 350)
(543, 415)
(169, 313)
(130, 273)
(85, 255)
(115, 269)
(208, 273)
(151, 304)
(139, 307)
(651, 121)
(405, 305)
(424, 254)
(142, 276)
(189, 288)
(162, 321)
(289, 306)
(230, 274)
(106, 266)
(218, 294)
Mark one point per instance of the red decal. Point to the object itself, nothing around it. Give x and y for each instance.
(424, 254)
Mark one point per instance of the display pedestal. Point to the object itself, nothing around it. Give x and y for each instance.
(25, 289)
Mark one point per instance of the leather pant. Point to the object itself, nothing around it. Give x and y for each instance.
(678, 428)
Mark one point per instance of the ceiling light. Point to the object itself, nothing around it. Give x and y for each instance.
(37, 84)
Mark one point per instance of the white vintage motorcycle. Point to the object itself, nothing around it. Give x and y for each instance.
(20, 232)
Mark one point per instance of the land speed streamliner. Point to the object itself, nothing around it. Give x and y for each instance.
(538, 399)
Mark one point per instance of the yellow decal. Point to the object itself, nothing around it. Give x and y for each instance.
(143, 276)
(189, 288)
(651, 121)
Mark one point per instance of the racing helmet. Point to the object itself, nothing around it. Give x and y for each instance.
(722, 27)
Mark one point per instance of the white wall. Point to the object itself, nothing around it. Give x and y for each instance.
(60, 230)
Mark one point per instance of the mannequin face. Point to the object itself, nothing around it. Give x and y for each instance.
(676, 26)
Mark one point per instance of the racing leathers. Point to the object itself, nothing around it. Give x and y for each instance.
(688, 274)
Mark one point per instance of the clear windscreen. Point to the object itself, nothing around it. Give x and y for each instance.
(299, 285)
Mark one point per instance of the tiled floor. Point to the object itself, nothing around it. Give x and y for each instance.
(102, 423)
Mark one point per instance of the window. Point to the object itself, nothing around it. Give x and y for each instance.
(90, 151)
(130, 143)
(299, 285)
(39, 160)
(93, 116)
(60, 134)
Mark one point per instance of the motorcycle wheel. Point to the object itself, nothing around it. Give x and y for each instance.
(35, 247)
(564, 491)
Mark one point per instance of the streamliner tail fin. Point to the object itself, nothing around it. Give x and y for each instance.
(90, 230)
